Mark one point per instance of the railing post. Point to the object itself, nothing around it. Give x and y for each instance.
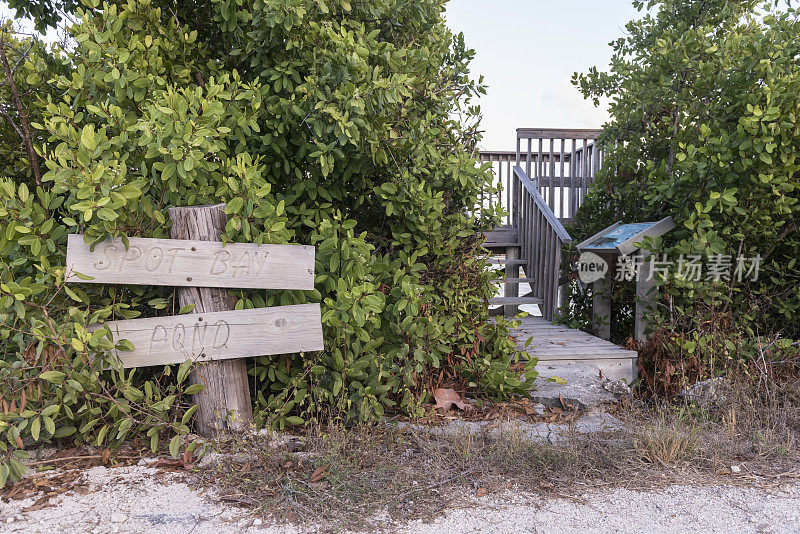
(515, 191)
(511, 290)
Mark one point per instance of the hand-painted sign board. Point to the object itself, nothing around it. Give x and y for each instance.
(219, 335)
(214, 335)
(621, 238)
(204, 336)
(179, 262)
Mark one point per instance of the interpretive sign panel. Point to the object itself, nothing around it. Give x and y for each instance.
(622, 238)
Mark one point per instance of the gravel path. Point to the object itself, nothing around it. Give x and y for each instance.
(134, 499)
(677, 509)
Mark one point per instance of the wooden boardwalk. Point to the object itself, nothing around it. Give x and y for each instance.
(558, 346)
(540, 185)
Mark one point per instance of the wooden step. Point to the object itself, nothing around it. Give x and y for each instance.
(514, 280)
(516, 301)
(500, 244)
(508, 262)
(499, 235)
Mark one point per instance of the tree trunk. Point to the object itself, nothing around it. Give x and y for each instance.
(225, 402)
(27, 138)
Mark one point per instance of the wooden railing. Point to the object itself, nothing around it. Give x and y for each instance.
(502, 165)
(541, 236)
(563, 163)
(541, 185)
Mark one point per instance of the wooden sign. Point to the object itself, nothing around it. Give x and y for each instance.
(213, 336)
(197, 262)
(180, 262)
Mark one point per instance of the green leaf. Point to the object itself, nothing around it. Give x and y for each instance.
(23, 192)
(174, 446)
(49, 425)
(88, 138)
(54, 377)
(234, 205)
(36, 427)
(183, 371)
(194, 389)
(74, 296)
(124, 345)
(188, 415)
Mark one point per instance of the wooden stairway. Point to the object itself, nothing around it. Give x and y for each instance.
(533, 241)
(540, 189)
(561, 351)
(506, 243)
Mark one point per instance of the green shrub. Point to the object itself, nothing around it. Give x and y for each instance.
(346, 126)
(704, 101)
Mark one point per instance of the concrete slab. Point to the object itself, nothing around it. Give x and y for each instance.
(523, 430)
(584, 385)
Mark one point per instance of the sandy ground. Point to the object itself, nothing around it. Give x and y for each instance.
(677, 509)
(134, 499)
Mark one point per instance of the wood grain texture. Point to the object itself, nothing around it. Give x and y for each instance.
(542, 205)
(558, 342)
(224, 404)
(510, 289)
(555, 133)
(192, 262)
(214, 336)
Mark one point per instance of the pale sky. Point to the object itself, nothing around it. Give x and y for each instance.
(527, 51)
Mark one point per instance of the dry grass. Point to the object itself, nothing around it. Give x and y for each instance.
(369, 477)
(668, 438)
(361, 478)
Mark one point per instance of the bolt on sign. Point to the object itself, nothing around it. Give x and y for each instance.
(208, 336)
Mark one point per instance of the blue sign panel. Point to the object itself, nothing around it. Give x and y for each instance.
(614, 238)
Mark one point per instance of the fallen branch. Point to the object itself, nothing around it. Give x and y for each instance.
(70, 458)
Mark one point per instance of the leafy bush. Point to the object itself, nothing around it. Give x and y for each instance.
(347, 126)
(704, 127)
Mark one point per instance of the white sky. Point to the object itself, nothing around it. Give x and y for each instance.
(527, 51)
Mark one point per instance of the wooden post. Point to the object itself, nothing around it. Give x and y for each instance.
(225, 402)
(601, 300)
(511, 289)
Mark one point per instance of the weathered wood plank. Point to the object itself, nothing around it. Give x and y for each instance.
(225, 402)
(502, 235)
(563, 191)
(551, 175)
(217, 336)
(513, 301)
(192, 263)
(552, 133)
(510, 290)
